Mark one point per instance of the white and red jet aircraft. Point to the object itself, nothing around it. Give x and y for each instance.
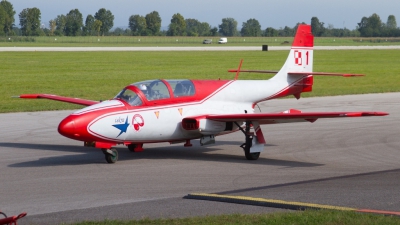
(182, 110)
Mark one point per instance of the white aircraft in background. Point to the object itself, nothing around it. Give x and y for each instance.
(179, 111)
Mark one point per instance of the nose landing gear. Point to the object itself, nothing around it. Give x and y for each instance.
(111, 155)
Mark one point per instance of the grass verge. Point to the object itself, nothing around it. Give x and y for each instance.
(309, 217)
(101, 75)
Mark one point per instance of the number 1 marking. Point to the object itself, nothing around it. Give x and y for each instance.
(307, 58)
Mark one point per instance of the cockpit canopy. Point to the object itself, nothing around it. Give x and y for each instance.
(152, 90)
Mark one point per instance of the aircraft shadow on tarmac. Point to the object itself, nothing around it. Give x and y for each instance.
(197, 152)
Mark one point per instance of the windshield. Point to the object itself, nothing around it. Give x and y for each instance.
(130, 97)
(153, 89)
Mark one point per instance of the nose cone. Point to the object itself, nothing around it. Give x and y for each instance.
(67, 128)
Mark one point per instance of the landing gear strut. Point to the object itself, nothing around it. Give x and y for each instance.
(249, 142)
(111, 155)
(135, 147)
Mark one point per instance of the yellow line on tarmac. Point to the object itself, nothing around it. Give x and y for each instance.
(263, 201)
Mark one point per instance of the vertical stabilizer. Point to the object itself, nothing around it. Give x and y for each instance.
(300, 59)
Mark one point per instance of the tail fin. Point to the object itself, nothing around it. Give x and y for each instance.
(300, 58)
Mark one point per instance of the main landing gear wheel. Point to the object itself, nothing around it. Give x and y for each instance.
(246, 147)
(111, 155)
(249, 142)
(251, 156)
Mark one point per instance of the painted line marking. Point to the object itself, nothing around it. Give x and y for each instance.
(279, 203)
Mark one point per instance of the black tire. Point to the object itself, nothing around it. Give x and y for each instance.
(246, 147)
(131, 147)
(251, 156)
(113, 157)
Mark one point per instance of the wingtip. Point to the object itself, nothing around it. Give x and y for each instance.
(375, 114)
(353, 75)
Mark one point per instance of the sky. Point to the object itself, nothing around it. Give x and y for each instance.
(276, 14)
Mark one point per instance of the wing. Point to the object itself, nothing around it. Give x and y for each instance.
(61, 99)
(289, 116)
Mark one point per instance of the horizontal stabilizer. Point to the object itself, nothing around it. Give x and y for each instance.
(299, 73)
(253, 71)
(77, 101)
(326, 74)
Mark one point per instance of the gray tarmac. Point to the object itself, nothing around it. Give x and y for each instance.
(352, 162)
(208, 48)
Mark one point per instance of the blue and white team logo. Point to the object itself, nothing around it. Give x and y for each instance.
(122, 125)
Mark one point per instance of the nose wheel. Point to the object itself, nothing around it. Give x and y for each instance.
(111, 155)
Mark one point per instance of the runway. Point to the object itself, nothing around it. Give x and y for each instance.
(349, 162)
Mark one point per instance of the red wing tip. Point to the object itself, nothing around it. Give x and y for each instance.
(357, 114)
(29, 96)
(374, 114)
(381, 113)
(353, 75)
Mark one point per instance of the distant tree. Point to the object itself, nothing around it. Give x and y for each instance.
(192, 27)
(106, 18)
(3, 16)
(153, 22)
(365, 31)
(8, 17)
(88, 28)
(177, 27)
(376, 24)
(205, 29)
(16, 31)
(61, 20)
(270, 32)
(74, 23)
(197, 28)
(52, 25)
(228, 27)
(390, 28)
(330, 31)
(286, 32)
(97, 26)
(391, 22)
(214, 31)
(317, 28)
(138, 25)
(29, 19)
(251, 28)
(121, 32)
(371, 26)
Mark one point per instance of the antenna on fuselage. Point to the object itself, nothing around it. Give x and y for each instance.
(238, 70)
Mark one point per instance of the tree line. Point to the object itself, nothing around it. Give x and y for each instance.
(71, 24)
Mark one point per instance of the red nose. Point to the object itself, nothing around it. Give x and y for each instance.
(67, 128)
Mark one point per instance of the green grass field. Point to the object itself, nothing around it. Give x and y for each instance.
(101, 75)
(309, 217)
(90, 41)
